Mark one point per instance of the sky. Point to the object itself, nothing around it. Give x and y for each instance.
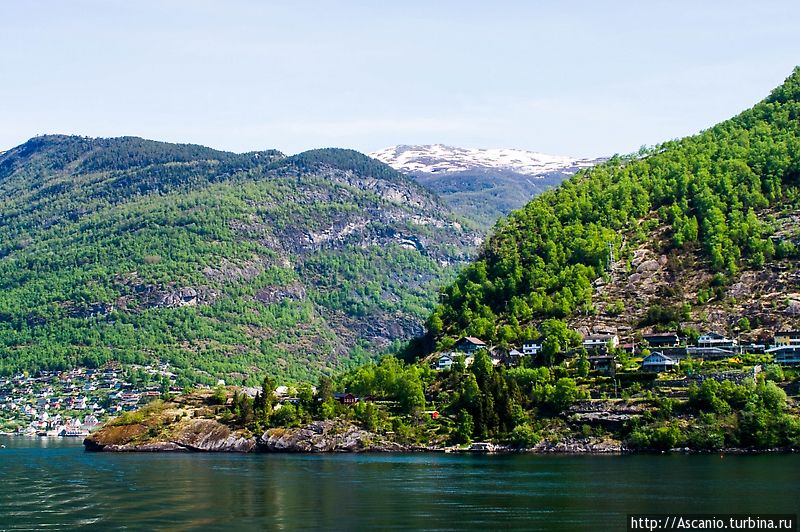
(562, 77)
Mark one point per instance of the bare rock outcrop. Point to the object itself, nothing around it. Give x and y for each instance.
(325, 436)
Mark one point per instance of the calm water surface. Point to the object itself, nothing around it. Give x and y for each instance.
(52, 484)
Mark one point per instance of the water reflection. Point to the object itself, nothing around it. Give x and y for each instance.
(49, 483)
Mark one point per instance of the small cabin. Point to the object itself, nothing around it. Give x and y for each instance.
(346, 398)
(603, 363)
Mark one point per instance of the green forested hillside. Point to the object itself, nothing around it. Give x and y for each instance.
(727, 196)
(226, 265)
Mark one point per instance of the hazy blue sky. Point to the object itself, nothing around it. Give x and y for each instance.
(572, 78)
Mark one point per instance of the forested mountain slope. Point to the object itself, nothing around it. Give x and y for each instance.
(697, 232)
(225, 265)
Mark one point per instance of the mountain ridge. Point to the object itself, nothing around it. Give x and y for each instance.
(226, 265)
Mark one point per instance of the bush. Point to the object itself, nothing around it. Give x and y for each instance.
(525, 435)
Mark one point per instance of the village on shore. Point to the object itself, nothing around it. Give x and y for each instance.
(72, 403)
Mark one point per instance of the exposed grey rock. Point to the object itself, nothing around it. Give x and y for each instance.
(276, 294)
(326, 436)
(648, 266)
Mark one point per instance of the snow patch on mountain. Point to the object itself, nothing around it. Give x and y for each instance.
(438, 158)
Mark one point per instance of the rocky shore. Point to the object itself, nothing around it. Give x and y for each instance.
(205, 435)
(194, 424)
(329, 436)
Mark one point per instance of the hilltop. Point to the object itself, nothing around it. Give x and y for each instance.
(482, 184)
(224, 265)
(698, 233)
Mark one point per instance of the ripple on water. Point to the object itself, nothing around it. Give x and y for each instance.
(57, 486)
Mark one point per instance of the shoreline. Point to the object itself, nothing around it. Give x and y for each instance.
(255, 446)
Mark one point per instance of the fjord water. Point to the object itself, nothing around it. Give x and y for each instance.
(54, 484)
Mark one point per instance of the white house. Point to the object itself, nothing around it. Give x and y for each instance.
(713, 339)
(531, 347)
(445, 362)
(600, 341)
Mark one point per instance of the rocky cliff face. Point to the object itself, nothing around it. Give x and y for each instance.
(326, 436)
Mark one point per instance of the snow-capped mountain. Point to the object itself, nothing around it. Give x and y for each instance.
(433, 158)
(482, 185)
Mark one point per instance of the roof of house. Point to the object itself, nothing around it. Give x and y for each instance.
(782, 348)
(473, 340)
(601, 357)
(658, 358)
(714, 335)
(599, 337)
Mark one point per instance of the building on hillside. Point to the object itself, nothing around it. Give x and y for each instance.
(714, 339)
(786, 355)
(669, 339)
(531, 347)
(629, 347)
(346, 398)
(603, 363)
(787, 338)
(445, 362)
(658, 362)
(597, 342)
(470, 344)
(755, 349)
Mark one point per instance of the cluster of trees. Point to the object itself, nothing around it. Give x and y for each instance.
(724, 414)
(389, 380)
(710, 190)
(492, 402)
